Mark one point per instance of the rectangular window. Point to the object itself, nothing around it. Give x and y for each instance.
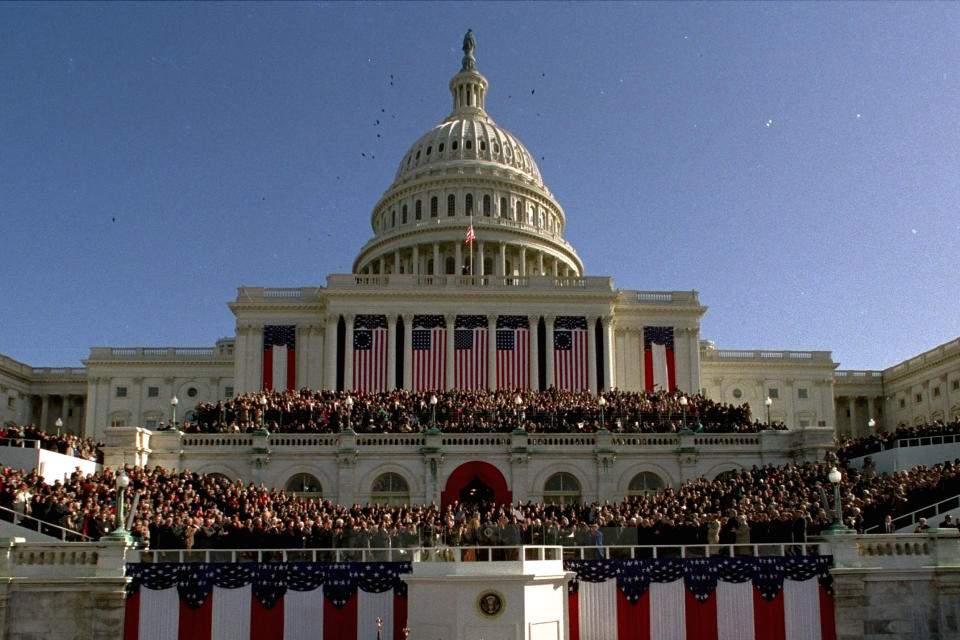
(773, 393)
(11, 403)
(802, 393)
(936, 392)
(121, 393)
(151, 424)
(918, 397)
(228, 392)
(153, 392)
(118, 423)
(903, 403)
(956, 385)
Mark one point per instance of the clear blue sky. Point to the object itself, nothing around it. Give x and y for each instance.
(796, 163)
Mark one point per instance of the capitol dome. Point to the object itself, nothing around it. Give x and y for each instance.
(468, 173)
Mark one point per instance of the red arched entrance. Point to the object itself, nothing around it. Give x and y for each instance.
(473, 474)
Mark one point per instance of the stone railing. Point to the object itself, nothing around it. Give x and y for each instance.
(419, 281)
(857, 375)
(765, 356)
(264, 294)
(158, 353)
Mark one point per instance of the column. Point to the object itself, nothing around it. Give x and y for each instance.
(479, 269)
(436, 259)
(871, 415)
(330, 353)
(854, 426)
(254, 381)
(348, 353)
(44, 410)
(492, 352)
(383, 265)
(415, 265)
(240, 346)
(407, 351)
(65, 407)
(523, 262)
(391, 351)
(540, 263)
(315, 362)
(502, 264)
(592, 354)
(303, 354)
(548, 343)
(458, 269)
(610, 352)
(534, 353)
(396, 261)
(451, 319)
(556, 268)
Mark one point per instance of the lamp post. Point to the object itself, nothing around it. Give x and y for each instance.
(173, 406)
(683, 405)
(59, 425)
(768, 402)
(263, 411)
(872, 424)
(120, 533)
(516, 403)
(835, 477)
(433, 411)
(349, 404)
(602, 402)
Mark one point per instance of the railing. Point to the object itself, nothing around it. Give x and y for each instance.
(846, 374)
(216, 440)
(41, 526)
(179, 353)
(475, 439)
(494, 553)
(390, 440)
(899, 443)
(912, 518)
(732, 354)
(20, 443)
(409, 281)
(303, 440)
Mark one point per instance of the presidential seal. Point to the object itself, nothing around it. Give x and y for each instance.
(490, 603)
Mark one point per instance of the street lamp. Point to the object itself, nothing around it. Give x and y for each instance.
(263, 411)
(433, 411)
(120, 533)
(768, 402)
(59, 425)
(683, 405)
(349, 404)
(517, 402)
(602, 402)
(835, 477)
(872, 424)
(173, 405)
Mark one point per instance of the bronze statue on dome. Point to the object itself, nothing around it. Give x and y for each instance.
(469, 44)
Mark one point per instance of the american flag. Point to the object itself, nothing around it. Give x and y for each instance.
(279, 356)
(570, 353)
(470, 236)
(470, 352)
(658, 362)
(513, 352)
(370, 353)
(429, 359)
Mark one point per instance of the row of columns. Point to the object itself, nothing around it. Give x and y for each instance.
(330, 371)
(544, 260)
(45, 419)
(859, 421)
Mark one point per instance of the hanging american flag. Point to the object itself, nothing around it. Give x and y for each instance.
(429, 349)
(570, 353)
(370, 353)
(279, 356)
(470, 352)
(470, 235)
(513, 352)
(658, 362)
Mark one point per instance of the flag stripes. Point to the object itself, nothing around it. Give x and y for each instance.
(370, 353)
(659, 368)
(470, 352)
(570, 353)
(429, 353)
(513, 352)
(279, 357)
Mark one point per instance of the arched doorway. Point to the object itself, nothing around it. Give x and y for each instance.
(476, 481)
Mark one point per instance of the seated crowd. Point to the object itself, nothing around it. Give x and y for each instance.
(188, 510)
(65, 443)
(849, 448)
(400, 411)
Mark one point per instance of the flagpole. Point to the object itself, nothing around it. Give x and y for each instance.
(471, 245)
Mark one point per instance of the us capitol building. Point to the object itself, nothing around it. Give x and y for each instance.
(468, 283)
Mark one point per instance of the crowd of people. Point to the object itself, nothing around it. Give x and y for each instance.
(399, 411)
(65, 443)
(850, 448)
(784, 504)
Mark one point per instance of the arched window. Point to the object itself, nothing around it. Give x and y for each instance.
(453, 144)
(468, 204)
(391, 489)
(451, 266)
(486, 205)
(433, 207)
(468, 144)
(504, 209)
(644, 483)
(487, 266)
(430, 267)
(304, 485)
(418, 210)
(451, 204)
(403, 215)
(561, 488)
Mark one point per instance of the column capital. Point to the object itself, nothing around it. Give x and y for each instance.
(550, 319)
(392, 318)
(450, 318)
(534, 319)
(349, 318)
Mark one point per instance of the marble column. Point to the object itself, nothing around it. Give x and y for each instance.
(492, 352)
(609, 352)
(330, 353)
(548, 344)
(534, 353)
(436, 259)
(502, 262)
(592, 354)
(348, 353)
(44, 411)
(415, 262)
(391, 351)
(451, 320)
(408, 351)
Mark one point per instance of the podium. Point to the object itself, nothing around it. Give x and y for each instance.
(488, 593)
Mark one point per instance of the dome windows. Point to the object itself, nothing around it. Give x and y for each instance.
(468, 143)
(418, 210)
(454, 144)
(418, 154)
(486, 206)
(451, 205)
(429, 149)
(496, 147)
(468, 204)
(483, 145)
(403, 215)
(433, 207)
(440, 148)
(504, 208)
